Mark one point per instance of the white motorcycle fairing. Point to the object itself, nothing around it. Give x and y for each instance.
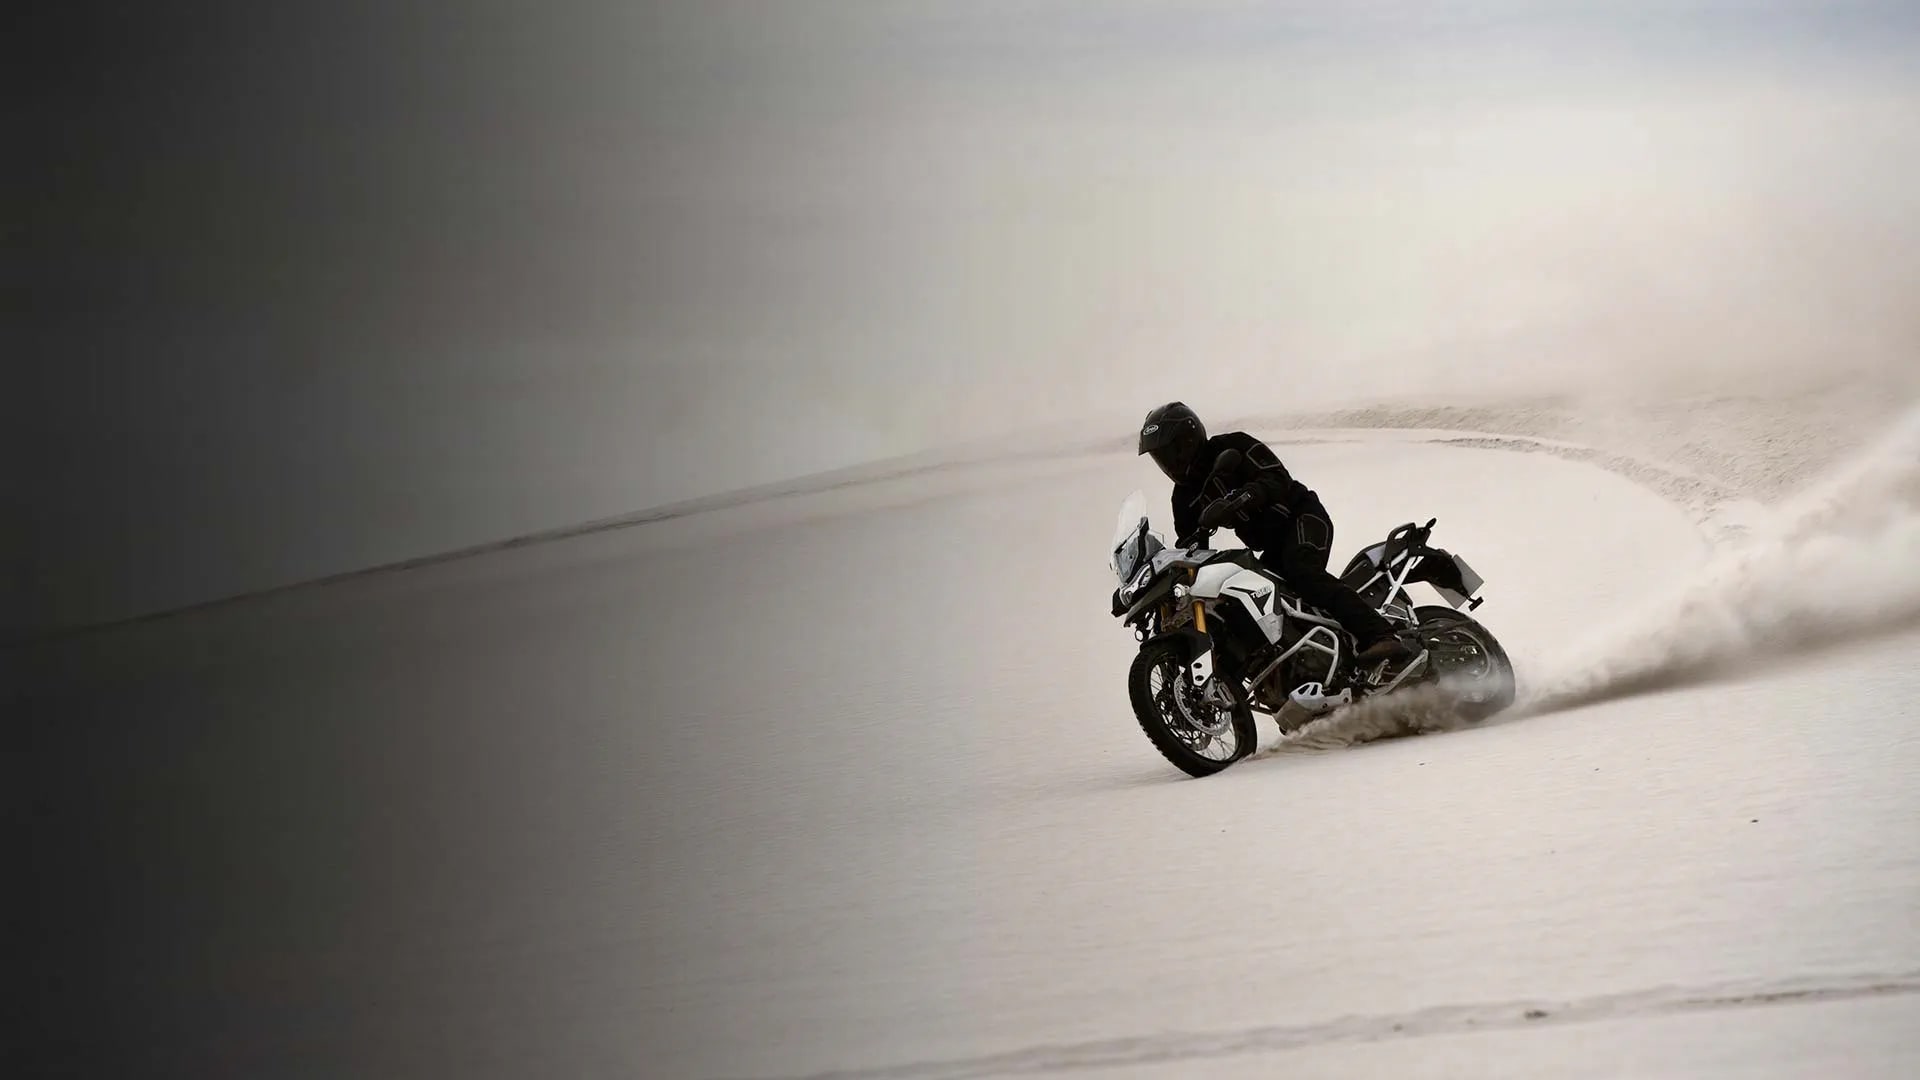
(1250, 588)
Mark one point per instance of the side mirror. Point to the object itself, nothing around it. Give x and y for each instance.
(1228, 461)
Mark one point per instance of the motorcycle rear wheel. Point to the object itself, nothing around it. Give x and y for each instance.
(1458, 646)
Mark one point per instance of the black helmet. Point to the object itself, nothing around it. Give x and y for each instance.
(1172, 434)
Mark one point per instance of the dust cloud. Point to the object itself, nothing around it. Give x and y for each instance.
(1835, 564)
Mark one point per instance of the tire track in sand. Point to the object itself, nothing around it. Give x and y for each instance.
(1420, 1023)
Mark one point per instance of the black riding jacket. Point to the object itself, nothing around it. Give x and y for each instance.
(1261, 525)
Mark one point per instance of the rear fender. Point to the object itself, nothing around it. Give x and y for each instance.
(1450, 576)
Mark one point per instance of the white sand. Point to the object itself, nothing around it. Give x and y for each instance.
(847, 781)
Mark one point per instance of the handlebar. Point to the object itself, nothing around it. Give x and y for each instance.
(1201, 534)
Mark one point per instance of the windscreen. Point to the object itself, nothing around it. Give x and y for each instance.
(1124, 551)
(1134, 541)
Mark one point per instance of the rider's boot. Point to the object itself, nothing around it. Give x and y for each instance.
(1387, 647)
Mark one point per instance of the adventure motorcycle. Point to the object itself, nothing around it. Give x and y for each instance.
(1222, 637)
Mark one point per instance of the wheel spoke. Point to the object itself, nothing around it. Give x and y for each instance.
(1189, 725)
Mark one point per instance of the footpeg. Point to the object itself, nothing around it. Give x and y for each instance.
(1418, 663)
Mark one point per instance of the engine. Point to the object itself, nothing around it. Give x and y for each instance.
(1301, 667)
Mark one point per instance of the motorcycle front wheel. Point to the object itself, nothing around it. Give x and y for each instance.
(1199, 737)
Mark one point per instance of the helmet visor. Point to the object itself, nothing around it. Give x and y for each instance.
(1173, 458)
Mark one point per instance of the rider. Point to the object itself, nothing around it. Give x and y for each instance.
(1284, 521)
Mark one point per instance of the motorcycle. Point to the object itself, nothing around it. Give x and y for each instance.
(1222, 637)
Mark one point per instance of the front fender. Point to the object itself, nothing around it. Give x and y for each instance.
(1197, 641)
(1199, 651)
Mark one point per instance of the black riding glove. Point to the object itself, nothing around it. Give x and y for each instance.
(1220, 510)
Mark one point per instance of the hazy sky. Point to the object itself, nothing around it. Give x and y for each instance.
(309, 290)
